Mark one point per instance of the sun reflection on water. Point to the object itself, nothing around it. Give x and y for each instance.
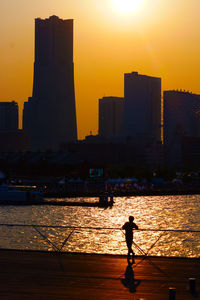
(167, 212)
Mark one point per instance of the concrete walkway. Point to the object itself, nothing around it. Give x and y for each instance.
(51, 276)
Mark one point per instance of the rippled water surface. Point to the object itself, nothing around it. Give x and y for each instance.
(151, 212)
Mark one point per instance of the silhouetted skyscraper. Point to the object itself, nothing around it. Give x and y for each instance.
(50, 114)
(111, 111)
(181, 119)
(8, 115)
(142, 107)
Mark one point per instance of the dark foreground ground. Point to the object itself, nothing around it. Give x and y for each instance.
(51, 276)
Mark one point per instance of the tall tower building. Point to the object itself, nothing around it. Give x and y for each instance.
(111, 111)
(8, 115)
(181, 119)
(142, 107)
(50, 114)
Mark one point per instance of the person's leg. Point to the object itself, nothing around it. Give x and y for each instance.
(129, 246)
(133, 254)
(130, 250)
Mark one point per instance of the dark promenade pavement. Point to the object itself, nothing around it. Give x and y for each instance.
(58, 276)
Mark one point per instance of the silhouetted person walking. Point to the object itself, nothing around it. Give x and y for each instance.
(129, 227)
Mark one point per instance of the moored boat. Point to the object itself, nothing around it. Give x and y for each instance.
(13, 195)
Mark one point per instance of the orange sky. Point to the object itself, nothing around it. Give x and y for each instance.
(162, 39)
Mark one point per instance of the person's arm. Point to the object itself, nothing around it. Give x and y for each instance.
(124, 226)
(135, 226)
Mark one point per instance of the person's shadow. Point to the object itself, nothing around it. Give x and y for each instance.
(129, 281)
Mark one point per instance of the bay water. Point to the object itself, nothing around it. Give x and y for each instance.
(153, 215)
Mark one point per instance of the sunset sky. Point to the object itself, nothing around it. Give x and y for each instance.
(154, 37)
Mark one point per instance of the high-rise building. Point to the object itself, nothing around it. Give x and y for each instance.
(8, 115)
(142, 107)
(111, 111)
(181, 112)
(50, 114)
(13, 141)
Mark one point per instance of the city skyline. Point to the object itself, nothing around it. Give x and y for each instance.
(160, 40)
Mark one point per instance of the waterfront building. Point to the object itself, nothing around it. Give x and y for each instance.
(190, 148)
(181, 119)
(13, 141)
(49, 116)
(142, 107)
(95, 150)
(9, 115)
(111, 110)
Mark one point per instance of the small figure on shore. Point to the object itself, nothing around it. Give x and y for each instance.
(106, 198)
(129, 227)
(111, 199)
